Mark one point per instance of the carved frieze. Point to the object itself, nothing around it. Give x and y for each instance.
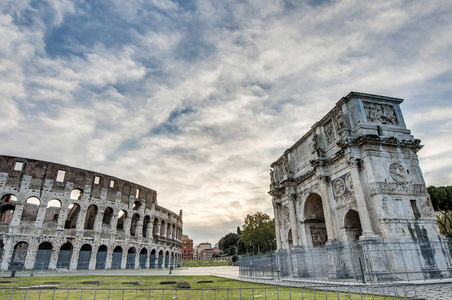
(330, 136)
(346, 199)
(319, 236)
(286, 213)
(339, 123)
(375, 139)
(380, 113)
(397, 188)
(397, 172)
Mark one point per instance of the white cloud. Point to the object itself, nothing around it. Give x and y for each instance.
(196, 102)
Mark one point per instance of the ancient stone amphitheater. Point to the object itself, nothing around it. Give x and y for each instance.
(54, 216)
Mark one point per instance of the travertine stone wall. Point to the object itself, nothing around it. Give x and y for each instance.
(56, 216)
(354, 176)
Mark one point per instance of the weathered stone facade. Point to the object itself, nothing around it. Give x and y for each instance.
(354, 178)
(54, 216)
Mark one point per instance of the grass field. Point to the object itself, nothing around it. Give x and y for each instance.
(204, 263)
(150, 287)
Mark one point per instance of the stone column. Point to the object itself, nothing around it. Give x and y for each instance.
(293, 222)
(8, 250)
(139, 229)
(124, 258)
(31, 254)
(54, 257)
(74, 258)
(361, 202)
(109, 259)
(329, 222)
(277, 210)
(137, 259)
(62, 215)
(93, 258)
(127, 223)
(98, 221)
(40, 216)
(17, 215)
(148, 257)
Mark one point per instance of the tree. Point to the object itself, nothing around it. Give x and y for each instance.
(442, 203)
(229, 243)
(259, 232)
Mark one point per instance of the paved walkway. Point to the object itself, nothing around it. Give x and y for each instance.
(431, 290)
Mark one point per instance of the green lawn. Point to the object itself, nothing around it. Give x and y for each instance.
(204, 263)
(149, 287)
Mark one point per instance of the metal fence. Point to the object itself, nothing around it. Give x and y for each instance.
(315, 292)
(369, 262)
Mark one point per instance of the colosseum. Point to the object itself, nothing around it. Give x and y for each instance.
(54, 216)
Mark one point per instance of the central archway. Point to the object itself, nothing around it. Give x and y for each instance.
(315, 220)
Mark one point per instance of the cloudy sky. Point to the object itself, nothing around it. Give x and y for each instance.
(196, 99)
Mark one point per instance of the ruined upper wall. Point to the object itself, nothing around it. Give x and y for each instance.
(53, 178)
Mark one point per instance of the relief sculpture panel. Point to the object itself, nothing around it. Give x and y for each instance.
(380, 113)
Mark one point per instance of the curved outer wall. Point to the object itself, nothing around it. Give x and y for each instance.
(54, 216)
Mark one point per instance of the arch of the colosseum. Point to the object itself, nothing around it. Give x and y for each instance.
(55, 216)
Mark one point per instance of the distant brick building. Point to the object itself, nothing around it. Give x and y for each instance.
(187, 248)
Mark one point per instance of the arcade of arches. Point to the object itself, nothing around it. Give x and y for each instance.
(47, 221)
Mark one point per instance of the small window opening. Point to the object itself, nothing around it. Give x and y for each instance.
(416, 213)
(137, 193)
(96, 179)
(408, 171)
(112, 183)
(18, 166)
(60, 175)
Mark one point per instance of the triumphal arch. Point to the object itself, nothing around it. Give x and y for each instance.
(354, 179)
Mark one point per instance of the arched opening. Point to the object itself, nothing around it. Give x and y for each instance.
(136, 205)
(7, 207)
(162, 228)
(71, 220)
(146, 222)
(155, 229)
(133, 224)
(168, 230)
(131, 254)
(43, 256)
(52, 211)
(160, 261)
(64, 257)
(76, 194)
(9, 198)
(152, 259)
(167, 257)
(106, 219)
(31, 209)
(143, 256)
(121, 220)
(352, 225)
(315, 220)
(101, 257)
(91, 213)
(19, 256)
(117, 258)
(84, 257)
(7, 213)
